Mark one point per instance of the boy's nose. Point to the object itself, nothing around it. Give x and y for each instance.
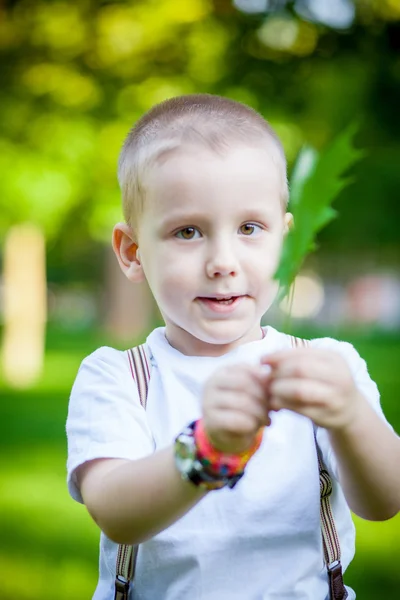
(221, 263)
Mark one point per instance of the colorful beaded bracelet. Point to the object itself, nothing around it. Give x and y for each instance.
(218, 462)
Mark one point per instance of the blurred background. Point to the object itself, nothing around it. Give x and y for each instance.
(74, 78)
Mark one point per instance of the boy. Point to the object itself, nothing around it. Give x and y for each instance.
(204, 191)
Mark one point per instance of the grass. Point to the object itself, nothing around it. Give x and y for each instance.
(47, 541)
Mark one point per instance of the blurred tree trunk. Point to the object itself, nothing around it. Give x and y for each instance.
(130, 310)
(25, 305)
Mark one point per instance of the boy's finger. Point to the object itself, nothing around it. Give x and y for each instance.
(316, 370)
(321, 367)
(294, 394)
(276, 357)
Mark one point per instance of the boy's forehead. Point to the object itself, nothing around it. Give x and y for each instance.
(198, 182)
(190, 168)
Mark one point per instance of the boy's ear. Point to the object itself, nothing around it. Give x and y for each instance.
(127, 252)
(288, 222)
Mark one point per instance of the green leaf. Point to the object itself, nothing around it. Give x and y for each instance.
(316, 181)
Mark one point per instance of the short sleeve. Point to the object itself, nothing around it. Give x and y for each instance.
(363, 382)
(105, 417)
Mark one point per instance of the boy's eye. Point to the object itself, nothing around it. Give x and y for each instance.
(188, 233)
(249, 228)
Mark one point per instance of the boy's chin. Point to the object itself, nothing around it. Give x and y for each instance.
(211, 339)
(225, 334)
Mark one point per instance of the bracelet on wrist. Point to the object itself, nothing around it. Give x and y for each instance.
(192, 469)
(220, 463)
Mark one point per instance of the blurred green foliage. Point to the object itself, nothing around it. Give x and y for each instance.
(75, 76)
(51, 539)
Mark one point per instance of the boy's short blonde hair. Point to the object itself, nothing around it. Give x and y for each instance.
(213, 122)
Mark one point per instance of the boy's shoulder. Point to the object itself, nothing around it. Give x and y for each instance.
(103, 376)
(344, 348)
(104, 354)
(104, 362)
(325, 342)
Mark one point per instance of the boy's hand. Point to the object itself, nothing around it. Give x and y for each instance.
(235, 407)
(315, 383)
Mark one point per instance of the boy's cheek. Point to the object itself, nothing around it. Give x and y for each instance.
(268, 259)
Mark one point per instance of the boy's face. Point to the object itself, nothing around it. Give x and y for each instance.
(209, 243)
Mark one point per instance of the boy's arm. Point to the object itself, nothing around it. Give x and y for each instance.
(132, 501)
(368, 455)
(318, 384)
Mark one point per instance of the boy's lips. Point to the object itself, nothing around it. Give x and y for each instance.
(221, 303)
(220, 296)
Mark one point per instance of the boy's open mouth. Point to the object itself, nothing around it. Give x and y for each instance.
(224, 300)
(219, 303)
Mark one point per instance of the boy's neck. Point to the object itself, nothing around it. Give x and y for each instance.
(191, 346)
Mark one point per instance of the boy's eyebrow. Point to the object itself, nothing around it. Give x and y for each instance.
(248, 212)
(188, 217)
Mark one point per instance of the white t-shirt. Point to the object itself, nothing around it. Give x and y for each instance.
(258, 541)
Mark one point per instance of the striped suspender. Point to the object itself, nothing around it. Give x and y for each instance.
(330, 539)
(126, 557)
(140, 370)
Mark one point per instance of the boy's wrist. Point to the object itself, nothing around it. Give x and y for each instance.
(205, 466)
(218, 462)
(194, 468)
(356, 408)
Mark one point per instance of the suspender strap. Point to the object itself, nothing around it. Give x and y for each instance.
(140, 369)
(139, 365)
(330, 539)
